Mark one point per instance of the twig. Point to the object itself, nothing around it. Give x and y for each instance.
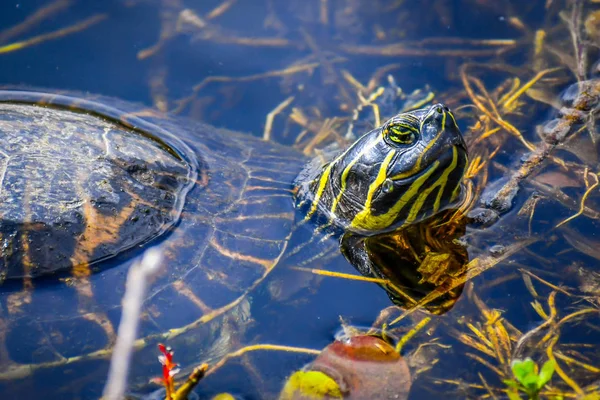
(78, 27)
(138, 279)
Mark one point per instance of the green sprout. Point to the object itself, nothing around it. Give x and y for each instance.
(527, 379)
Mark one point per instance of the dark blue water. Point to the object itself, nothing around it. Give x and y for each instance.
(106, 58)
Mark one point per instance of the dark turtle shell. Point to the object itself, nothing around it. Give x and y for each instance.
(76, 189)
(85, 183)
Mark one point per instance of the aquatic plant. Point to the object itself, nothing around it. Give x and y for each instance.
(528, 378)
(170, 368)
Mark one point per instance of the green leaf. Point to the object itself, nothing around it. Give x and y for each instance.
(546, 373)
(513, 395)
(530, 381)
(522, 368)
(511, 383)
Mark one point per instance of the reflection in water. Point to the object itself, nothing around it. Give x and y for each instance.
(414, 261)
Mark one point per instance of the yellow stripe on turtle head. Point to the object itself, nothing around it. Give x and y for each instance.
(346, 172)
(365, 220)
(457, 189)
(441, 183)
(447, 172)
(431, 142)
(322, 183)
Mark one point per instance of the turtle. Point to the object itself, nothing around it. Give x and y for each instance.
(89, 182)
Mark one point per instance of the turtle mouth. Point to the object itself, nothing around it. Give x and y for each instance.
(459, 142)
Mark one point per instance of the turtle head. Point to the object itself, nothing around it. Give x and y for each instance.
(400, 173)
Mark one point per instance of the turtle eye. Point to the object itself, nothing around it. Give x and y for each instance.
(400, 134)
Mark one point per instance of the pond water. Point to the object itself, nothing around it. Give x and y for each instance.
(523, 276)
